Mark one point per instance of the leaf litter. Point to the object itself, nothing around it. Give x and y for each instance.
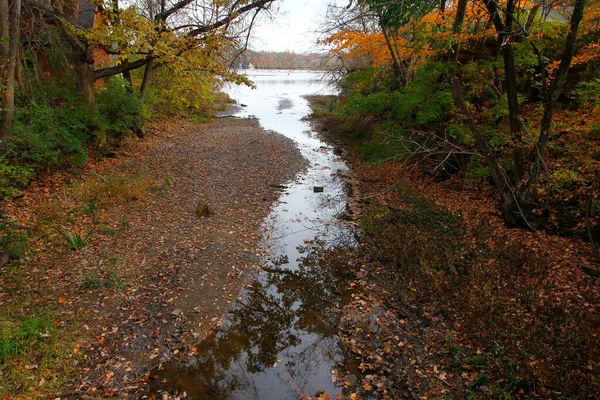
(172, 273)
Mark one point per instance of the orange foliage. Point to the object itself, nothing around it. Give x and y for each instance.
(417, 41)
(590, 27)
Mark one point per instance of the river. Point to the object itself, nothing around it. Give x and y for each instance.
(278, 341)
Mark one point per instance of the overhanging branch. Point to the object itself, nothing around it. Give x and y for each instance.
(119, 69)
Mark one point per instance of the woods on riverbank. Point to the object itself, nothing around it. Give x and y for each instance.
(466, 120)
(450, 302)
(79, 77)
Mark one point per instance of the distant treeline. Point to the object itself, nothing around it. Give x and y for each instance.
(285, 60)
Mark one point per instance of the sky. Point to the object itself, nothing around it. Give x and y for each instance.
(292, 28)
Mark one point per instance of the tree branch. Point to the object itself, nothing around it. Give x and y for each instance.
(233, 14)
(118, 69)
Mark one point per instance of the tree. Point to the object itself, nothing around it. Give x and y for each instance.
(535, 59)
(553, 91)
(392, 16)
(149, 37)
(10, 14)
(506, 34)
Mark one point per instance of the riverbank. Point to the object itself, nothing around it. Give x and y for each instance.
(133, 257)
(451, 303)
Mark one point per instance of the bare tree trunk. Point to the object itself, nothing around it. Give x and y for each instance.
(84, 76)
(395, 62)
(509, 206)
(127, 77)
(551, 98)
(459, 20)
(146, 80)
(10, 15)
(505, 38)
(442, 6)
(531, 17)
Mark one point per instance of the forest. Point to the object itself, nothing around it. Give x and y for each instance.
(472, 128)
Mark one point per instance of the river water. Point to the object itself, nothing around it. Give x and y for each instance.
(278, 340)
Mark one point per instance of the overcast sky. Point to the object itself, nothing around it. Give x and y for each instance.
(293, 27)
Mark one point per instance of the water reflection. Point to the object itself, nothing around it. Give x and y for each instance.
(278, 340)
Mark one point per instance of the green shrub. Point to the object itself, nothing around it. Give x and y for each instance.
(75, 240)
(42, 136)
(364, 81)
(375, 104)
(12, 239)
(120, 111)
(427, 99)
(13, 178)
(587, 92)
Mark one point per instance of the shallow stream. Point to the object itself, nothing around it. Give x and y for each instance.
(278, 341)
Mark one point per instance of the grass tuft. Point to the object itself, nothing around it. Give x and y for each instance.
(110, 281)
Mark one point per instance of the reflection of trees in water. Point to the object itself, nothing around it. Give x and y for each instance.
(284, 311)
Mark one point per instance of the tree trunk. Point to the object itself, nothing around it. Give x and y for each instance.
(459, 20)
(509, 203)
(146, 80)
(10, 15)
(531, 17)
(84, 76)
(395, 63)
(560, 77)
(505, 37)
(510, 206)
(127, 77)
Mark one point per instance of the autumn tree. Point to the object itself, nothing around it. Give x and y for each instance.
(155, 34)
(392, 17)
(502, 56)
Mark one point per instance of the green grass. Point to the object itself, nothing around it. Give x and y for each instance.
(33, 332)
(75, 240)
(36, 357)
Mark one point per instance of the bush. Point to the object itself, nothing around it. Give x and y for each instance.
(42, 136)
(120, 111)
(57, 131)
(12, 239)
(427, 100)
(176, 91)
(13, 178)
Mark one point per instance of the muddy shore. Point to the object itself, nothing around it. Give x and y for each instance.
(162, 264)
